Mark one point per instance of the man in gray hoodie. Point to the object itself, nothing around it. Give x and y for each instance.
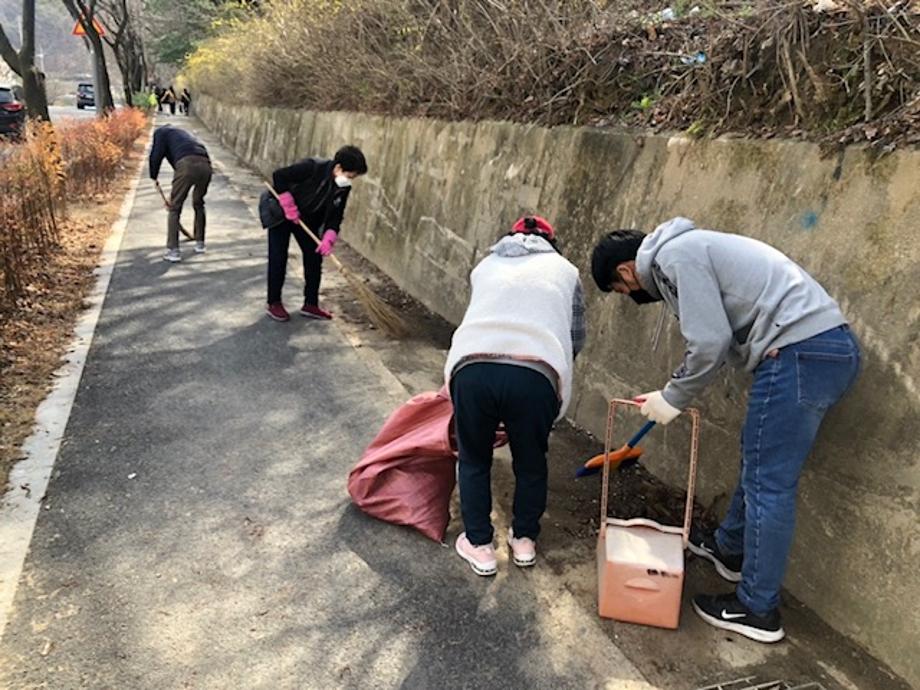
(741, 301)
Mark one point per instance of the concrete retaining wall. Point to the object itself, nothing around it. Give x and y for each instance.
(438, 194)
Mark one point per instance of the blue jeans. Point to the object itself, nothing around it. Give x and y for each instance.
(788, 400)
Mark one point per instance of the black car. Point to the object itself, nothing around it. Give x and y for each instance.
(12, 113)
(85, 96)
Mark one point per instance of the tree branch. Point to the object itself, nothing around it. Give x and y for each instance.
(8, 53)
(27, 49)
(867, 70)
(115, 24)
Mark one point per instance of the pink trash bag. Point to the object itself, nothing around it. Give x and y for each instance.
(407, 473)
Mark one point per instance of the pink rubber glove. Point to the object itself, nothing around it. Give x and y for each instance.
(329, 238)
(289, 206)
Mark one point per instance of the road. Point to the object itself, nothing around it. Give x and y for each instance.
(65, 112)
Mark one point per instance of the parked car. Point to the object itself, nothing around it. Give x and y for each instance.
(85, 96)
(12, 113)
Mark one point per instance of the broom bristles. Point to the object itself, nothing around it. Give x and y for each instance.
(379, 312)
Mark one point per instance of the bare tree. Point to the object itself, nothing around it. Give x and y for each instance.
(84, 11)
(121, 19)
(22, 62)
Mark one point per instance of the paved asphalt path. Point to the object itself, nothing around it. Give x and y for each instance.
(197, 532)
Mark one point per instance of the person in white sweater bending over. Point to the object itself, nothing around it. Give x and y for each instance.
(510, 362)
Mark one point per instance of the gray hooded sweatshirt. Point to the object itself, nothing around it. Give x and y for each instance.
(736, 299)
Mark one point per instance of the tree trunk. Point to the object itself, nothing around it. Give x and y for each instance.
(23, 63)
(33, 88)
(85, 12)
(129, 54)
(104, 101)
(124, 66)
(132, 74)
(125, 42)
(138, 75)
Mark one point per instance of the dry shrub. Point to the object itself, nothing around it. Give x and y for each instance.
(757, 65)
(92, 151)
(456, 59)
(37, 177)
(32, 180)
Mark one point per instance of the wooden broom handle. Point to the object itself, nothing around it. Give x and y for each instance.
(162, 194)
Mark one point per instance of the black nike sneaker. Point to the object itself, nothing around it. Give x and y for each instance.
(726, 612)
(704, 544)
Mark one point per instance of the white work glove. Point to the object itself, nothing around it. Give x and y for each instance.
(656, 408)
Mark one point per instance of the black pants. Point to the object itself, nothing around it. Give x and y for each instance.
(279, 239)
(484, 395)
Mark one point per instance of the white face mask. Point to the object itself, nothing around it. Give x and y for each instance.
(342, 181)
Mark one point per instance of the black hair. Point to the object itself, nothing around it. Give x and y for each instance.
(531, 228)
(614, 248)
(351, 159)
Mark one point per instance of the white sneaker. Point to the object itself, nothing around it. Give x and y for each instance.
(199, 248)
(480, 558)
(523, 550)
(173, 256)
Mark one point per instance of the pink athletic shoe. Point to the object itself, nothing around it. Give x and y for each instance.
(523, 550)
(480, 558)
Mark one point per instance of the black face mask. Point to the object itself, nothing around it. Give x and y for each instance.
(643, 297)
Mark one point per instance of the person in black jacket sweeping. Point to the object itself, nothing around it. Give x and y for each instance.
(192, 169)
(315, 191)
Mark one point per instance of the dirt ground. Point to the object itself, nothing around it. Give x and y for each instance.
(35, 336)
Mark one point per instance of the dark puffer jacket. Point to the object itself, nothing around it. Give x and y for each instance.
(320, 201)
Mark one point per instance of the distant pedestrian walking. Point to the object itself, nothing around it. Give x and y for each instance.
(186, 101)
(315, 191)
(169, 98)
(192, 169)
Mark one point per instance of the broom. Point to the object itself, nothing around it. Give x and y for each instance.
(623, 457)
(185, 232)
(378, 311)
